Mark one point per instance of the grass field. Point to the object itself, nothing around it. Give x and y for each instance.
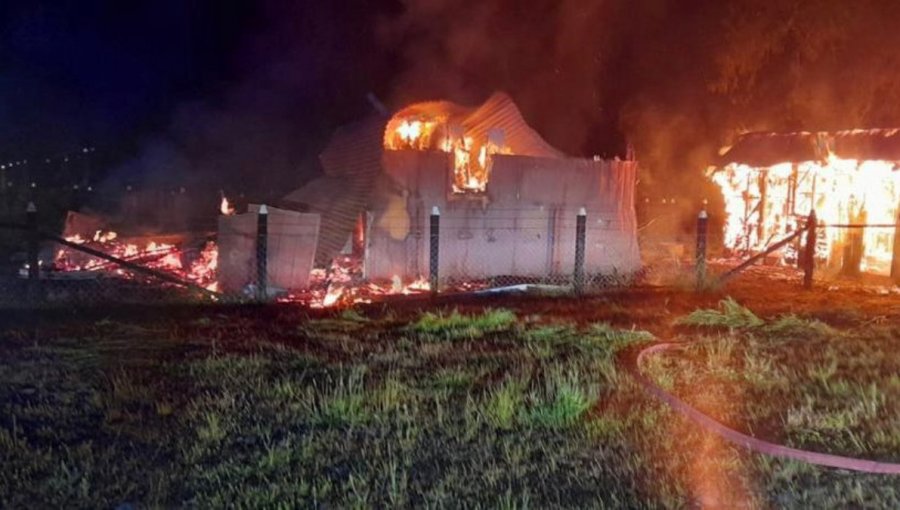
(793, 380)
(510, 404)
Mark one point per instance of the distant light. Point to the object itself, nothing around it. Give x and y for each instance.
(2, 167)
(47, 160)
(75, 186)
(66, 159)
(84, 149)
(33, 184)
(90, 188)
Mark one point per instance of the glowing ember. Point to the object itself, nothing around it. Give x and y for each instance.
(225, 207)
(101, 237)
(765, 204)
(332, 296)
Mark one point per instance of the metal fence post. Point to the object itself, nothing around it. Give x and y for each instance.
(580, 237)
(700, 256)
(434, 237)
(895, 261)
(262, 253)
(809, 253)
(34, 268)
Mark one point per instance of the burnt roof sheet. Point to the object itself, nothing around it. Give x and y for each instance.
(767, 149)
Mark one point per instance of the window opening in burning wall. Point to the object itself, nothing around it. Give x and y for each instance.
(472, 152)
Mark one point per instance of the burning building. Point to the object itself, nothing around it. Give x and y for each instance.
(507, 199)
(508, 205)
(771, 182)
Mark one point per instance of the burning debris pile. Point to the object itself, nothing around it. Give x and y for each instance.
(771, 182)
(341, 284)
(166, 257)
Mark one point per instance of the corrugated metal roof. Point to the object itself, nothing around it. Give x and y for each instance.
(767, 149)
(498, 112)
(351, 162)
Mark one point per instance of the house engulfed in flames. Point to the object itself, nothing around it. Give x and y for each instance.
(507, 200)
(771, 181)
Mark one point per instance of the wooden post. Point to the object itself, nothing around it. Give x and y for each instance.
(700, 256)
(810, 251)
(580, 238)
(434, 238)
(851, 263)
(895, 261)
(262, 253)
(763, 196)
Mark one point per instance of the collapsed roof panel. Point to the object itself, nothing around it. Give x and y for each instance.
(768, 149)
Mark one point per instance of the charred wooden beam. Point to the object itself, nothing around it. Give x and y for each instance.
(752, 260)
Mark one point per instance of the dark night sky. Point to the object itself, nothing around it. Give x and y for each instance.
(106, 71)
(186, 86)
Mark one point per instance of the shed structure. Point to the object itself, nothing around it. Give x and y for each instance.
(508, 200)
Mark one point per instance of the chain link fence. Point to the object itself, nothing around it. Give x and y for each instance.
(566, 251)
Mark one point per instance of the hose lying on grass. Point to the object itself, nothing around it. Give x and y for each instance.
(754, 444)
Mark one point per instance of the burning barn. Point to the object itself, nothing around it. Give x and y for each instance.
(771, 182)
(507, 200)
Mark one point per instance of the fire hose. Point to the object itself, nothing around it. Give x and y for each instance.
(709, 424)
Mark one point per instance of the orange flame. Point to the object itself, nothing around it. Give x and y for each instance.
(763, 205)
(471, 157)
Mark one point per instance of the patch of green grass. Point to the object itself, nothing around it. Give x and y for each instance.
(729, 315)
(792, 326)
(552, 334)
(341, 400)
(455, 326)
(561, 406)
(453, 379)
(504, 404)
